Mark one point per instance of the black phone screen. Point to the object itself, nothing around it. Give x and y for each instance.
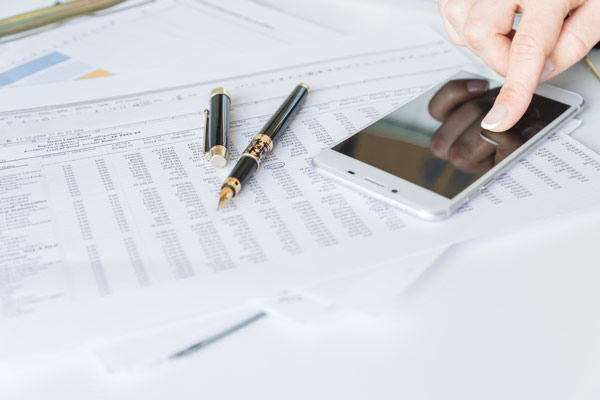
(436, 140)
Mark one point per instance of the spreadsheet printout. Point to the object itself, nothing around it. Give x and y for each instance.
(109, 203)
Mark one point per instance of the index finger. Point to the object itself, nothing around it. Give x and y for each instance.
(534, 40)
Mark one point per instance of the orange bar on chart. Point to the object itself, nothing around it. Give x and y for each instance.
(96, 74)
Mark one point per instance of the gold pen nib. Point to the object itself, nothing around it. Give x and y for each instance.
(225, 195)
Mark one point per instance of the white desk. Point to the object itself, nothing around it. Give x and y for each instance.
(513, 317)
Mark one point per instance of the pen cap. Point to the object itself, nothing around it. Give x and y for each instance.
(216, 141)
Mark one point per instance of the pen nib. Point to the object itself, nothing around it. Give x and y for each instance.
(225, 195)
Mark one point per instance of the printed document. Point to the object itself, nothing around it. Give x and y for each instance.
(134, 37)
(109, 219)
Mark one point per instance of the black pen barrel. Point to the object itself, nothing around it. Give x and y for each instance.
(216, 135)
(218, 128)
(286, 112)
(262, 144)
(244, 169)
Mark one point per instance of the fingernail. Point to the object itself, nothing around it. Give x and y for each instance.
(494, 118)
(485, 136)
(477, 86)
(547, 71)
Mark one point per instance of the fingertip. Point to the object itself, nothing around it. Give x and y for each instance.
(510, 105)
(548, 70)
(495, 118)
(477, 86)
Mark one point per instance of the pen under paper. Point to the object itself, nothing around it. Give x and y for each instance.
(215, 338)
(52, 14)
(591, 66)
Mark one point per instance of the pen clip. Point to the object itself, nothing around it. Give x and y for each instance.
(205, 144)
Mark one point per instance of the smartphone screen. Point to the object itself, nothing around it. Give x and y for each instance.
(436, 140)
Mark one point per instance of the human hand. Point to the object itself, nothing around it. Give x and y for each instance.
(544, 44)
(461, 105)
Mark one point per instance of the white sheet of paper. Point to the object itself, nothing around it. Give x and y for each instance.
(377, 289)
(113, 205)
(150, 34)
(369, 291)
(160, 345)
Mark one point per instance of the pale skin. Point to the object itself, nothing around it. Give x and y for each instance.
(545, 44)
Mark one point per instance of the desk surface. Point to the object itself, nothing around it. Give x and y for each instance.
(510, 317)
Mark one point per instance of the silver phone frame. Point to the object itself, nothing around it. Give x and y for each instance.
(415, 199)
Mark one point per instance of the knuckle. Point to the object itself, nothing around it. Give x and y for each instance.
(474, 34)
(484, 148)
(526, 46)
(513, 92)
(578, 47)
(434, 111)
(460, 157)
(438, 146)
(442, 5)
(472, 108)
(454, 11)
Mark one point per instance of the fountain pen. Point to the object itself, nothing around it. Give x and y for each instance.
(262, 144)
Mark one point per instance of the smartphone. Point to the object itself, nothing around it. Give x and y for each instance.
(430, 155)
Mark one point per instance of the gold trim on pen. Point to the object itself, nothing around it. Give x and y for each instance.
(52, 14)
(258, 148)
(218, 156)
(229, 190)
(219, 90)
(205, 138)
(304, 85)
(591, 66)
(234, 183)
(218, 151)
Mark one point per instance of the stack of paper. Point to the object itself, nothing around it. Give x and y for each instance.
(109, 224)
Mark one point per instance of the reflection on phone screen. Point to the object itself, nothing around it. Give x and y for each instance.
(436, 140)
